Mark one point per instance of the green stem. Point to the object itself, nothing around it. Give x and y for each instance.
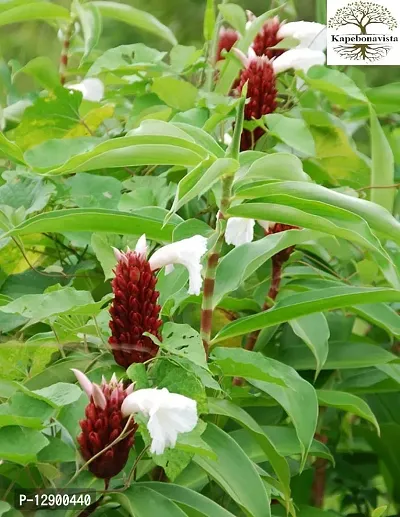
(212, 54)
(215, 252)
(212, 263)
(65, 51)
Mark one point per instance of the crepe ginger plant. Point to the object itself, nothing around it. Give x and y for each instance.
(199, 282)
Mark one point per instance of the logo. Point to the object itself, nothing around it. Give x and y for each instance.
(363, 32)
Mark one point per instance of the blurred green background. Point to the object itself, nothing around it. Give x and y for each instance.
(185, 17)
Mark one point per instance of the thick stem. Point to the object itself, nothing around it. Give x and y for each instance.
(65, 51)
(319, 482)
(212, 263)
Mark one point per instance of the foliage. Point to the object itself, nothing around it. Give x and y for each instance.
(291, 348)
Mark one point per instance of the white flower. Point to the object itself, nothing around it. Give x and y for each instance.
(92, 89)
(310, 35)
(298, 59)
(239, 231)
(267, 225)
(187, 252)
(169, 414)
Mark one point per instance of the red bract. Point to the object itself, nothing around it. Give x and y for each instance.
(267, 38)
(103, 424)
(227, 38)
(261, 90)
(134, 310)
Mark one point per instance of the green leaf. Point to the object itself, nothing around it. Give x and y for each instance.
(377, 217)
(334, 84)
(201, 137)
(104, 253)
(382, 171)
(378, 512)
(381, 315)
(294, 394)
(277, 166)
(35, 11)
(60, 371)
(137, 374)
(243, 363)
(251, 256)
(314, 214)
(49, 117)
(321, 217)
(313, 329)
(21, 444)
(179, 379)
(301, 304)
(57, 451)
(140, 501)
(176, 93)
(182, 340)
(60, 394)
(7, 419)
(141, 19)
(278, 462)
(37, 307)
(347, 402)
(188, 498)
(385, 98)
(342, 355)
(43, 70)
(4, 507)
(234, 15)
(91, 191)
(292, 131)
(127, 59)
(127, 151)
(285, 441)
(244, 485)
(28, 191)
(201, 179)
(100, 220)
(10, 149)
(91, 22)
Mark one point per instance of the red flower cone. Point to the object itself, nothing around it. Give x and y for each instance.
(134, 310)
(266, 38)
(103, 424)
(227, 38)
(261, 90)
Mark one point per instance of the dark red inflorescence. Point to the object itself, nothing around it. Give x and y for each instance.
(134, 310)
(103, 424)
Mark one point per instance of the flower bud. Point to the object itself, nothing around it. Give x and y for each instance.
(104, 423)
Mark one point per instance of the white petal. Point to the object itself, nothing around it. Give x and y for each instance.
(92, 89)
(311, 35)
(141, 246)
(187, 252)
(298, 59)
(239, 231)
(169, 414)
(99, 398)
(168, 269)
(267, 225)
(84, 382)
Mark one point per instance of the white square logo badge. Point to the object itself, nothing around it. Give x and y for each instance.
(363, 32)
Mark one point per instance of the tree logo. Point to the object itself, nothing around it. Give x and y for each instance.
(362, 33)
